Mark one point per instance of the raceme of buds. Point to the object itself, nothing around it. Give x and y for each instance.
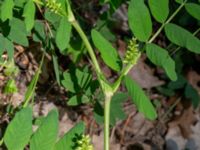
(84, 143)
(132, 54)
(54, 7)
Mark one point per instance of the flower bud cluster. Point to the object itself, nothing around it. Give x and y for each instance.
(84, 143)
(54, 6)
(132, 54)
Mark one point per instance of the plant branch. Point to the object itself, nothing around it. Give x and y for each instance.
(168, 20)
(107, 89)
(89, 48)
(123, 73)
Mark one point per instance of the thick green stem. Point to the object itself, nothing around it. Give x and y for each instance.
(107, 122)
(107, 90)
(88, 46)
(168, 20)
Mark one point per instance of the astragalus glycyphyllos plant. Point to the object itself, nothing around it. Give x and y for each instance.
(61, 20)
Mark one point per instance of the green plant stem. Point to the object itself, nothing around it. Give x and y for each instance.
(88, 46)
(197, 31)
(168, 20)
(107, 90)
(107, 122)
(123, 73)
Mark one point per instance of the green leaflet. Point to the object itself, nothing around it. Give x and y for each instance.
(116, 108)
(19, 130)
(182, 37)
(63, 34)
(179, 1)
(76, 81)
(29, 14)
(160, 57)
(159, 9)
(53, 18)
(7, 10)
(2, 46)
(45, 136)
(20, 3)
(39, 32)
(66, 142)
(193, 9)
(192, 94)
(18, 33)
(79, 83)
(7, 45)
(77, 100)
(139, 20)
(68, 83)
(108, 53)
(139, 98)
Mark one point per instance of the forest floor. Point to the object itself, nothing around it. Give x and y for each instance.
(176, 128)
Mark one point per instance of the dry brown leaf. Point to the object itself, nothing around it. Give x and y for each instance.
(194, 79)
(184, 122)
(143, 75)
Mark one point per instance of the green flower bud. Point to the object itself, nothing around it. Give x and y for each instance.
(84, 143)
(55, 7)
(132, 54)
